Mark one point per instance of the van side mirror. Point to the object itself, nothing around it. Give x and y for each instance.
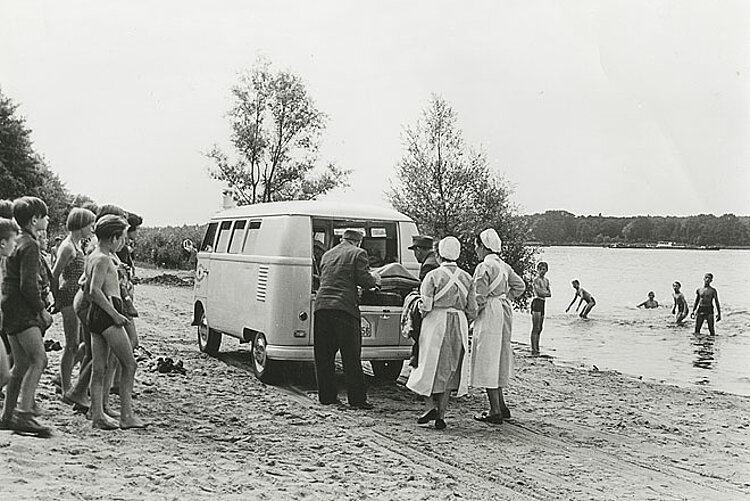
(189, 246)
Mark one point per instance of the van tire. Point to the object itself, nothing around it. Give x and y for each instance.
(209, 340)
(263, 368)
(387, 370)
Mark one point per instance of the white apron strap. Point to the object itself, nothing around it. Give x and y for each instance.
(496, 283)
(453, 279)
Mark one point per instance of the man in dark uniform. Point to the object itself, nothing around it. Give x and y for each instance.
(337, 319)
(425, 254)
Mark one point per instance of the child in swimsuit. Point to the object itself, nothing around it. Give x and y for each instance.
(106, 323)
(680, 304)
(585, 296)
(703, 309)
(541, 293)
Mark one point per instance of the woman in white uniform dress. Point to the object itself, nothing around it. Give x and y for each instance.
(496, 284)
(448, 304)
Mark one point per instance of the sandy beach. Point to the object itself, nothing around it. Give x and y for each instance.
(219, 433)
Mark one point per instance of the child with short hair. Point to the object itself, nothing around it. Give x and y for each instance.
(650, 302)
(8, 234)
(541, 293)
(705, 297)
(680, 303)
(106, 323)
(585, 296)
(25, 318)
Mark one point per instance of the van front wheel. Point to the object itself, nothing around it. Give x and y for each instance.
(387, 370)
(262, 367)
(209, 340)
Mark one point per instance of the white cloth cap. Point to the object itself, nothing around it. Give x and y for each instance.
(491, 240)
(449, 248)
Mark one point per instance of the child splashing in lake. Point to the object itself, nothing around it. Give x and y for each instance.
(585, 296)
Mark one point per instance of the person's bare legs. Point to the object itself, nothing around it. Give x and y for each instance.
(586, 309)
(78, 394)
(17, 372)
(119, 344)
(30, 342)
(70, 327)
(536, 331)
(99, 354)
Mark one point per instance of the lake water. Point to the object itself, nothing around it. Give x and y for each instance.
(647, 343)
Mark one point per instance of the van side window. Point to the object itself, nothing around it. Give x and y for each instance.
(238, 233)
(224, 234)
(207, 245)
(251, 236)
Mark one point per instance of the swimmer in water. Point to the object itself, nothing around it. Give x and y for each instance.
(585, 296)
(705, 297)
(650, 302)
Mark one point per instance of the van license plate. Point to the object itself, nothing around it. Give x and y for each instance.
(365, 328)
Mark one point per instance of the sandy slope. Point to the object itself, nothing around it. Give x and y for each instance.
(219, 433)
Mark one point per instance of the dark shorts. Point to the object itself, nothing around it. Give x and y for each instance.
(705, 311)
(537, 305)
(99, 320)
(17, 316)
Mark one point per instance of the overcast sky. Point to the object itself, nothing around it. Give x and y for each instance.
(626, 107)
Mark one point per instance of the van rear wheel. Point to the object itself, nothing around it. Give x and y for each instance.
(209, 340)
(387, 370)
(263, 368)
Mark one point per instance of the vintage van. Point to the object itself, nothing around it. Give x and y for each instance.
(256, 278)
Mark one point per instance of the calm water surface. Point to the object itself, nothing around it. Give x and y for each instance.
(647, 343)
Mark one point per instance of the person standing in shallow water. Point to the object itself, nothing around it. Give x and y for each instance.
(448, 303)
(585, 297)
(703, 309)
(492, 354)
(680, 309)
(541, 293)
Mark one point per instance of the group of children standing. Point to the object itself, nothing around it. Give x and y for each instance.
(88, 281)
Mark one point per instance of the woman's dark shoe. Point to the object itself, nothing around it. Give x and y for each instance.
(428, 416)
(486, 417)
(440, 424)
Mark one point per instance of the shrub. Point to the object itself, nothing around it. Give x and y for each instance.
(162, 246)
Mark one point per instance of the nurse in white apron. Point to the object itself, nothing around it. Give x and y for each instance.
(496, 284)
(448, 304)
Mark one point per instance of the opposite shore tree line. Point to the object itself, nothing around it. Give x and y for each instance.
(558, 227)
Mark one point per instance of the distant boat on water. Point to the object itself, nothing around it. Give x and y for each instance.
(661, 245)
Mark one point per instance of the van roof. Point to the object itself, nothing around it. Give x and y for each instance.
(313, 208)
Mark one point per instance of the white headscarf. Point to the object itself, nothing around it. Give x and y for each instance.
(491, 240)
(449, 248)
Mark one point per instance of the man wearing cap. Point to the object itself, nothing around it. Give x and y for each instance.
(423, 251)
(337, 319)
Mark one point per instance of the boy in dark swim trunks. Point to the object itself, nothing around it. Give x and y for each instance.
(585, 296)
(705, 297)
(106, 322)
(25, 318)
(541, 293)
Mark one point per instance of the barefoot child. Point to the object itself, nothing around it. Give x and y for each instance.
(25, 319)
(680, 304)
(541, 293)
(106, 323)
(705, 297)
(585, 296)
(8, 234)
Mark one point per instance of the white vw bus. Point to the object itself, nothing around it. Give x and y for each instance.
(257, 274)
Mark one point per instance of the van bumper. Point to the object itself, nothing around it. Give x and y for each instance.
(306, 353)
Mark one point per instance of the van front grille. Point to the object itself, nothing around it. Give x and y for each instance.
(260, 294)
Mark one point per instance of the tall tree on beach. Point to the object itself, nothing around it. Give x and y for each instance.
(448, 188)
(275, 133)
(23, 171)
